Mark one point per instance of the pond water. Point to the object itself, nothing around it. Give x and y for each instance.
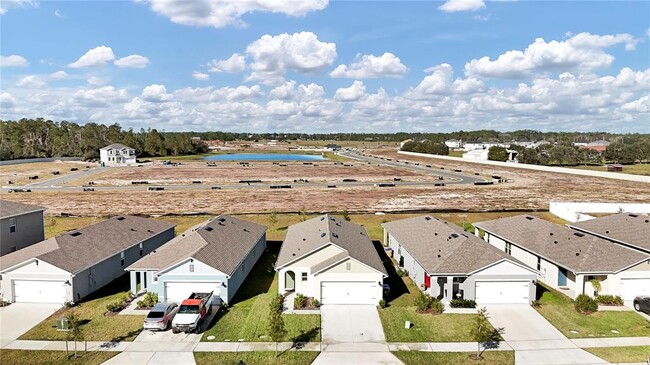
(264, 157)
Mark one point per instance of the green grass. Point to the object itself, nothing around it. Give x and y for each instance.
(97, 327)
(255, 358)
(636, 169)
(455, 358)
(627, 354)
(246, 318)
(558, 309)
(426, 327)
(28, 357)
(334, 157)
(456, 153)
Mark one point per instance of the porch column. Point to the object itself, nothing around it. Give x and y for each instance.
(580, 284)
(281, 282)
(134, 282)
(449, 288)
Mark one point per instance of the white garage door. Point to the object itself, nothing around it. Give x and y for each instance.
(502, 292)
(176, 291)
(631, 288)
(349, 292)
(34, 291)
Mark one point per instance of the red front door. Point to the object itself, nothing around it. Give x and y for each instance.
(427, 280)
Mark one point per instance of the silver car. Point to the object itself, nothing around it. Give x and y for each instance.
(160, 316)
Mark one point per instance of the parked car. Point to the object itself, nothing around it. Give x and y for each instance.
(642, 304)
(192, 312)
(160, 316)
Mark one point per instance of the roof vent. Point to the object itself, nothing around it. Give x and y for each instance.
(435, 233)
(208, 228)
(454, 235)
(633, 215)
(75, 234)
(304, 239)
(647, 221)
(221, 223)
(245, 230)
(322, 218)
(120, 218)
(579, 234)
(150, 231)
(606, 231)
(427, 218)
(335, 235)
(323, 234)
(133, 230)
(438, 256)
(577, 253)
(222, 219)
(550, 234)
(555, 242)
(529, 218)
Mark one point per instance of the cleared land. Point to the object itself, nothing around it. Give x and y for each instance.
(19, 174)
(638, 169)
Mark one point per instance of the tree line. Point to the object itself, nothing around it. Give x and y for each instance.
(30, 138)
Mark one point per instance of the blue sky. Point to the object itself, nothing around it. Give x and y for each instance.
(315, 66)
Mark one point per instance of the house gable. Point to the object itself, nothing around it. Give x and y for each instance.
(505, 267)
(349, 266)
(318, 256)
(190, 267)
(35, 266)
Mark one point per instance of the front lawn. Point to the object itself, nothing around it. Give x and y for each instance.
(455, 358)
(629, 354)
(97, 327)
(558, 309)
(425, 327)
(255, 358)
(27, 357)
(246, 318)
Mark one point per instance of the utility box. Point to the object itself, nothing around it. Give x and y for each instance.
(63, 324)
(407, 324)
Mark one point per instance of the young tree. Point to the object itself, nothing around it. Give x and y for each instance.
(346, 215)
(273, 219)
(276, 328)
(483, 332)
(496, 153)
(75, 332)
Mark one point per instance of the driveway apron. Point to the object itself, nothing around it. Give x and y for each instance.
(18, 318)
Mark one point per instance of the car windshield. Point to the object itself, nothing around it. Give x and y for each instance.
(189, 309)
(155, 314)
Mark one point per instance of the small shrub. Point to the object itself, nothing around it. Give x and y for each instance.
(277, 303)
(462, 303)
(382, 303)
(609, 300)
(68, 304)
(115, 306)
(316, 303)
(402, 273)
(424, 302)
(536, 303)
(585, 304)
(299, 301)
(149, 300)
(437, 307)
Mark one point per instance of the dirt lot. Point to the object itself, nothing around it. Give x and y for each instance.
(232, 172)
(528, 190)
(19, 174)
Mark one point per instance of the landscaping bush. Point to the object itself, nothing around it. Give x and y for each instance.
(585, 304)
(609, 300)
(382, 303)
(299, 301)
(462, 303)
(428, 304)
(116, 306)
(437, 307)
(316, 303)
(402, 273)
(536, 303)
(277, 303)
(149, 300)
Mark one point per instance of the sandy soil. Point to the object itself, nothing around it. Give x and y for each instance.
(19, 173)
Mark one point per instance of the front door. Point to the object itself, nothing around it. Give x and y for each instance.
(561, 277)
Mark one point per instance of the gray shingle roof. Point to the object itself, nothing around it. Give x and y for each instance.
(221, 243)
(578, 252)
(95, 243)
(310, 235)
(632, 229)
(10, 208)
(115, 146)
(442, 247)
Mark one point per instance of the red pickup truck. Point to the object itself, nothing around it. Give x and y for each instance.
(191, 313)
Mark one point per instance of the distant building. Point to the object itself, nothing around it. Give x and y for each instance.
(401, 144)
(539, 143)
(480, 145)
(523, 143)
(272, 142)
(21, 225)
(454, 143)
(482, 155)
(117, 154)
(333, 147)
(196, 138)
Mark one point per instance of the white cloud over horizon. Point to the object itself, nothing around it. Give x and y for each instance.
(13, 61)
(371, 66)
(453, 6)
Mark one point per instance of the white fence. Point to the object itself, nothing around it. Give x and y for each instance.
(561, 170)
(577, 212)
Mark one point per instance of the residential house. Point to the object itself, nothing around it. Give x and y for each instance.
(401, 144)
(454, 143)
(117, 154)
(21, 225)
(473, 145)
(448, 263)
(599, 146)
(333, 147)
(213, 256)
(331, 260)
(539, 143)
(69, 267)
(566, 259)
(629, 230)
(482, 155)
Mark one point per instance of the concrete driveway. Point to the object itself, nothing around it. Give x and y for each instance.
(534, 339)
(19, 318)
(351, 324)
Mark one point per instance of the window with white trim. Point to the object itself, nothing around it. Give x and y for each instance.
(141, 248)
(304, 276)
(122, 258)
(12, 225)
(508, 248)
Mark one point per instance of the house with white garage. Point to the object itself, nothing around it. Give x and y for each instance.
(629, 230)
(332, 260)
(213, 256)
(69, 267)
(117, 154)
(567, 260)
(21, 225)
(448, 263)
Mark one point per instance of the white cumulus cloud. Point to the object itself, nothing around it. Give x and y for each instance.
(200, 76)
(13, 61)
(235, 64)
(5, 5)
(31, 81)
(371, 66)
(98, 56)
(155, 93)
(301, 52)
(353, 93)
(59, 75)
(223, 13)
(452, 6)
(583, 52)
(132, 61)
